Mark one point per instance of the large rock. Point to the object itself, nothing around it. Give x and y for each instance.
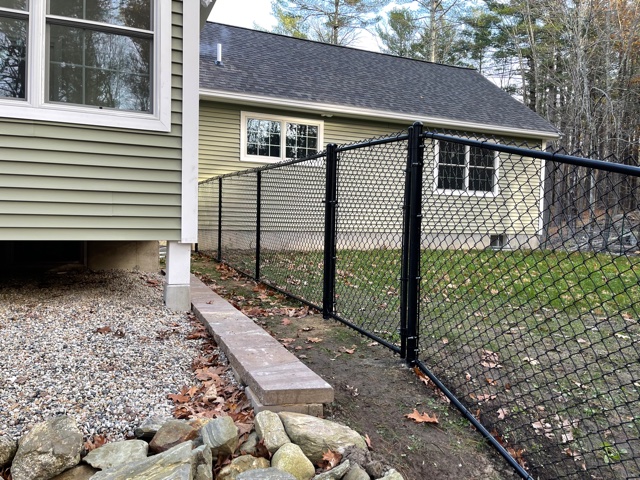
(221, 434)
(50, 448)
(176, 464)
(392, 475)
(81, 472)
(242, 464)
(315, 435)
(113, 454)
(203, 463)
(250, 444)
(8, 448)
(265, 474)
(356, 472)
(150, 427)
(172, 433)
(290, 458)
(336, 473)
(270, 430)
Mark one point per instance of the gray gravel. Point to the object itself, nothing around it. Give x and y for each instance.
(54, 360)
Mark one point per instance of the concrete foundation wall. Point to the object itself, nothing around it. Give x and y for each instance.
(134, 255)
(314, 241)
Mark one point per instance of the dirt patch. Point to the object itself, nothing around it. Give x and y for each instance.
(374, 390)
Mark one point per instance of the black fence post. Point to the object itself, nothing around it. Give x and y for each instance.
(258, 220)
(220, 219)
(414, 231)
(404, 263)
(330, 203)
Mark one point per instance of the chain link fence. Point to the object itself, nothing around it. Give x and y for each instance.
(508, 274)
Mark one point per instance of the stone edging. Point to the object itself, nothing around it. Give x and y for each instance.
(276, 379)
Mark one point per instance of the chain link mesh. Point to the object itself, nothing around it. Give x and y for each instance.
(292, 234)
(529, 280)
(529, 310)
(369, 237)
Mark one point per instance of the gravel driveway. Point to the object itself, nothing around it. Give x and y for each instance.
(100, 347)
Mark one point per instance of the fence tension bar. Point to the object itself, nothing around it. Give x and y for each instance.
(258, 221)
(331, 200)
(220, 219)
(415, 161)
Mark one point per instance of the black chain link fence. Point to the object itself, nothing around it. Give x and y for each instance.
(508, 274)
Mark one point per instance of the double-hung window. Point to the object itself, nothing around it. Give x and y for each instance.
(14, 35)
(102, 62)
(269, 138)
(466, 169)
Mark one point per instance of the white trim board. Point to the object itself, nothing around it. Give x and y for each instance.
(365, 113)
(190, 120)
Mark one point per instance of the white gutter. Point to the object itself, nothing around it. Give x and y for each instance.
(357, 112)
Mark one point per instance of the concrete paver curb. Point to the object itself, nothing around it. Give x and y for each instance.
(276, 379)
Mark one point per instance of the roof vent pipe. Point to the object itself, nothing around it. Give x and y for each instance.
(219, 55)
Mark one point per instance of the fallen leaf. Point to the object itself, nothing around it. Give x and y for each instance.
(329, 460)
(372, 344)
(178, 398)
(368, 440)
(445, 340)
(421, 418)
(491, 381)
(103, 330)
(314, 339)
(502, 412)
(485, 397)
(286, 321)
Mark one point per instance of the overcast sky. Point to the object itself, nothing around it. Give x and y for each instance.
(244, 13)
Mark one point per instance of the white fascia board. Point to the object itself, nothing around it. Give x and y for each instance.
(357, 112)
(190, 119)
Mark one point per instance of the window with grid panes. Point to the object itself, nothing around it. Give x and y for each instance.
(269, 138)
(463, 168)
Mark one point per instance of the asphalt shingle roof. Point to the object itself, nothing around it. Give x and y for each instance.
(270, 65)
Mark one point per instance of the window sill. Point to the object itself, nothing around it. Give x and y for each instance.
(464, 193)
(74, 114)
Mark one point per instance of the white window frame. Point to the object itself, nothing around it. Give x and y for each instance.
(244, 116)
(466, 191)
(37, 107)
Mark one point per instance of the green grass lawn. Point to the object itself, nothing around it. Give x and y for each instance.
(536, 337)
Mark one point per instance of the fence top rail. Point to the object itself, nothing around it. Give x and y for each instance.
(554, 156)
(270, 166)
(372, 143)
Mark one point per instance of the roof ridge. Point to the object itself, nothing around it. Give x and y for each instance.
(390, 55)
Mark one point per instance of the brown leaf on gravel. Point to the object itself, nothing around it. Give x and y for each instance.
(103, 330)
(421, 418)
(178, 398)
(95, 442)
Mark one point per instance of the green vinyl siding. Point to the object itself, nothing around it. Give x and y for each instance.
(370, 194)
(80, 182)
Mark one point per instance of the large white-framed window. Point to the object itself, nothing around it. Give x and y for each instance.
(104, 63)
(273, 138)
(464, 169)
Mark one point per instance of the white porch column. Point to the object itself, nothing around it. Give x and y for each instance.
(177, 294)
